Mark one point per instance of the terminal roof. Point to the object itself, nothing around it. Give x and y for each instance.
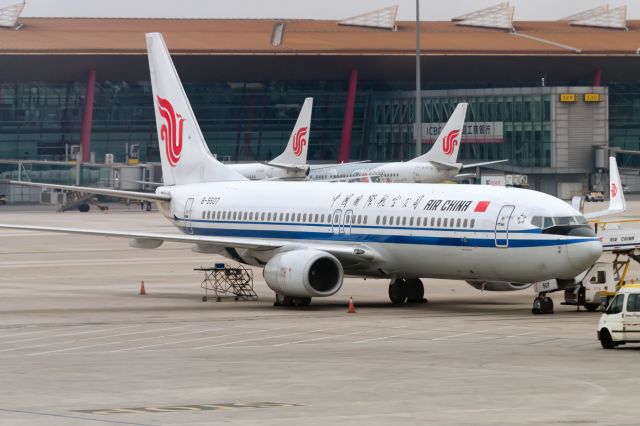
(53, 36)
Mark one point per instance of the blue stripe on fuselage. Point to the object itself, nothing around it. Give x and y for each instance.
(379, 238)
(356, 226)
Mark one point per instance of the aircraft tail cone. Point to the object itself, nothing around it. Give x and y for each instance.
(352, 307)
(142, 290)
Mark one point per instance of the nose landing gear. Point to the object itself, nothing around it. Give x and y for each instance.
(410, 290)
(542, 304)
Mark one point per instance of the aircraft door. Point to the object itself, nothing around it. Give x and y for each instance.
(335, 221)
(502, 226)
(347, 219)
(416, 175)
(187, 215)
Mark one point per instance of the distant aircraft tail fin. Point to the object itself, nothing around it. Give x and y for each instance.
(445, 149)
(617, 203)
(296, 151)
(183, 150)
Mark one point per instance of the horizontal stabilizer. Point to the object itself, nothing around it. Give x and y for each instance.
(289, 166)
(485, 163)
(147, 196)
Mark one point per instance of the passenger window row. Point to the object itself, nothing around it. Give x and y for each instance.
(282, 217)
(426, 222)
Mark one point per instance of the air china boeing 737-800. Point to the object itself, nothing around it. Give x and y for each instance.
(308, 235)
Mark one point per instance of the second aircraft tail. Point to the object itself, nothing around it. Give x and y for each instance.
(446, 147)
(295, 153)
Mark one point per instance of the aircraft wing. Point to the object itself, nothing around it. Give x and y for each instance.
(345, 252)
(151, 237)
(486, 163)
(147, 196)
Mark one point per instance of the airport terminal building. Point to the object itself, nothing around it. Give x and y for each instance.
(553, 97)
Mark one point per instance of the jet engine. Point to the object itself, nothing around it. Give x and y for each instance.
(304, 273)
(497, 285)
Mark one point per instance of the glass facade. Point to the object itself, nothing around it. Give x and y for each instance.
(252, 121)
(624, 121)
(526, 126)
(240, 121)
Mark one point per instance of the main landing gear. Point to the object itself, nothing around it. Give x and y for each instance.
(408, 290)
(542, 304)
(282, 300)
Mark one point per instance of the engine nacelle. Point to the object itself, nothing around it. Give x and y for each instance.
(498, 285)
(304, 273)
(145, 243)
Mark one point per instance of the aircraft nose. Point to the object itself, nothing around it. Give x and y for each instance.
(583, 255)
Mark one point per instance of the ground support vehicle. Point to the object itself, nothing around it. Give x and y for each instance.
(620, 322)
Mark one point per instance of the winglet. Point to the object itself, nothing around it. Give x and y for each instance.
(296, 151)
(617, 203)
(446, 147)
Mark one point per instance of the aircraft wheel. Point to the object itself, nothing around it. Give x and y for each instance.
(537, 306)
(301, 301)
(282, 300)
(397, 292)
(414, 289)
(83, 208)
(542, 305)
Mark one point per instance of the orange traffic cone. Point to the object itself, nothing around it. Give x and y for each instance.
(352, 307)
(142, 291)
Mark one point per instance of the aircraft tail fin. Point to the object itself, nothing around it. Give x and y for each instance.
(296, 151)
(617, 203)
(446, 147)
(183, 150)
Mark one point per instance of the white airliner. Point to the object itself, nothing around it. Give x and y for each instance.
(308, 235)
(436, 165)
(292, 163)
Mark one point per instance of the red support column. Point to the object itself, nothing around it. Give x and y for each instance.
(597, 78)
(87, 118)
(347, 122)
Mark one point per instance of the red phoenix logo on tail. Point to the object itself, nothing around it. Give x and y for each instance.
(449, 142)
(171, 131)
(299, 141)
(614, 190)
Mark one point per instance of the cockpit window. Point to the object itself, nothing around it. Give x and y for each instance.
(573, 226)
(545, 222)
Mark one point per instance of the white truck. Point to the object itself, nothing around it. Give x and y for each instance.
(592, 289)
(620, 322)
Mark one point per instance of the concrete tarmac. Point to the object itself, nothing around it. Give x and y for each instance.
(79, 346)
